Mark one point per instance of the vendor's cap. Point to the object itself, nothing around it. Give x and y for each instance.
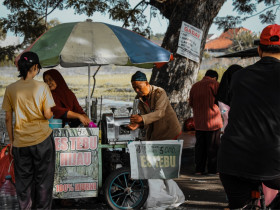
(270, 35)
(31, 58)
(139, 76)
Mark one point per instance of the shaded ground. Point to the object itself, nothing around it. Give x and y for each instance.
(201, 192)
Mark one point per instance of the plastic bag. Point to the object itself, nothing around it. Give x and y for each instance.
(7, 165)
(269, 194)
(163, 194)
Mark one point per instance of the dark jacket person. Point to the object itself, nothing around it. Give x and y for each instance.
(250, 147)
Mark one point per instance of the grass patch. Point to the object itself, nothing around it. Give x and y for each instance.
(106, 85)
(219, 70)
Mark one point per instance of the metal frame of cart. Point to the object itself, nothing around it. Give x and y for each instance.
(80, 170)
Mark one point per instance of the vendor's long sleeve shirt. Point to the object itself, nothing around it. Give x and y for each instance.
(158, 116)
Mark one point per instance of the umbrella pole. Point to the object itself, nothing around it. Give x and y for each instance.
(88, 98)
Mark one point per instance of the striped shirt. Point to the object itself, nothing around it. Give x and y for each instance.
(206, 113)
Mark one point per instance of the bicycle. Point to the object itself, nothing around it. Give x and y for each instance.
(258, 200)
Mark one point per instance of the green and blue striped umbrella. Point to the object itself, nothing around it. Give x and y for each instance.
(93, 43)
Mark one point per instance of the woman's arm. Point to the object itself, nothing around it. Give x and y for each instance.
(9, 126)
(78, 112)
(48, 113)
(48, 103)
(82, 117)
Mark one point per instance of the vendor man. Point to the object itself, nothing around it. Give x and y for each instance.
(156, 112)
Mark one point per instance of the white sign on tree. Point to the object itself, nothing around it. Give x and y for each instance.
(189, 42)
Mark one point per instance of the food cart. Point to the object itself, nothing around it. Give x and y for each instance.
(91, 161)
(87, 164)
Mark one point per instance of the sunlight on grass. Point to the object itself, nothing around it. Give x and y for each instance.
(113, 85)
(106, 84)
(220, 71)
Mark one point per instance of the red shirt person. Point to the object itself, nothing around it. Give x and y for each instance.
(208, 122)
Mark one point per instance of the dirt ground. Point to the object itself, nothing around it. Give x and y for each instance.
(201, 192)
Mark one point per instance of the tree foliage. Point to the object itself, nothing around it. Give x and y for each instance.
(248, 9)
(27, 18)
(242, 41)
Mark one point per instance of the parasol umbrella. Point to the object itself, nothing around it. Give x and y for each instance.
(80, 44)
(93, 43)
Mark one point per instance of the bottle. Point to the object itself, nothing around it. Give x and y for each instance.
(66, 125)
(3, 138)
(8, 195)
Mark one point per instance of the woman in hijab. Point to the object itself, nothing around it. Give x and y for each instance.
(223, 96)
(67, 106)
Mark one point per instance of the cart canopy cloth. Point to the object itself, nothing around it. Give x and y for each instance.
(79, 44)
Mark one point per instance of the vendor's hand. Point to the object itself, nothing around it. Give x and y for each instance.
(84, 119)
(133, 126)
(136, 119)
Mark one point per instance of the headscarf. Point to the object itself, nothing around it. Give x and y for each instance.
(64, 98)
(223, 91)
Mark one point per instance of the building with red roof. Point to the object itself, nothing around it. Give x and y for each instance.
(224, 41)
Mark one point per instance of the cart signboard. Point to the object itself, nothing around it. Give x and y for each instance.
(155, 159)
(76, 170)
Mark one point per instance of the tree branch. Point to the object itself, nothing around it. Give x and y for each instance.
(143, 1)
(261, 11)
(50, 11)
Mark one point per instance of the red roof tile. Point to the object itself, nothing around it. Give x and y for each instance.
(223, 42)
(218, 44)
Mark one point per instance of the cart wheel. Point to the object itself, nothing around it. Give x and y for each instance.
(122, 192)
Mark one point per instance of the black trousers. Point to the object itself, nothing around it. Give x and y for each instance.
(34, 174)
(206, 150)
(238, 189)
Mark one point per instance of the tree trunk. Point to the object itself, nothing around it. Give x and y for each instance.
(179, 75)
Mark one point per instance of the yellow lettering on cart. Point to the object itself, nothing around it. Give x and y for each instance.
(161, 161)
(149, 163)
(172, 161)
(166, 161)
(143, 161)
